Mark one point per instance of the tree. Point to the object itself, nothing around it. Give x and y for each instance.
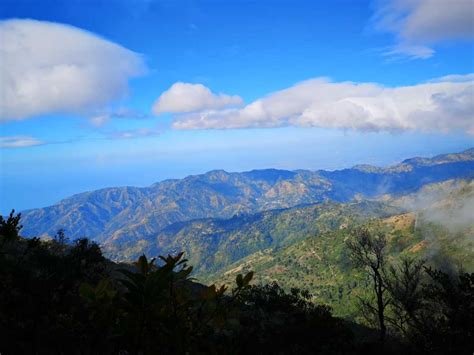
(405, 285)
(449, 312)
(9, 228)
(367, 252)
(431, 309)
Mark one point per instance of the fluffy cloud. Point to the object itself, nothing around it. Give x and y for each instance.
(184, 97)
(440, 105)
(53, 68)
(19, 142)
(419, 24)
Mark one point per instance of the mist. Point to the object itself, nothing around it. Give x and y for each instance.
(449, 204)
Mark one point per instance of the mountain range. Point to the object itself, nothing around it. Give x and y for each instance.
(123, 213)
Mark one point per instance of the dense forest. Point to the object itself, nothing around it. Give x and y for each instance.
(64, 297)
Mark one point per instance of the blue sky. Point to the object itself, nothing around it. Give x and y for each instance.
(138, 91)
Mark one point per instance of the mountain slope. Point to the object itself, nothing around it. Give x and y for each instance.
(132, 212)
(211, 244)
(439, 227)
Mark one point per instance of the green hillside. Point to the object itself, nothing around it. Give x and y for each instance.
(304, 247)
(212, 244)
(321, 264)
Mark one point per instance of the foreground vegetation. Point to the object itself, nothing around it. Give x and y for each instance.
(61, 297)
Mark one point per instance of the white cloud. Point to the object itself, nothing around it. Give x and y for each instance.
(420, 24)
(54, 68)
(101, 119)
(185, 97)
(433, 106)
(410, 51)
(134, 133)
(454, 78)
(19, 142)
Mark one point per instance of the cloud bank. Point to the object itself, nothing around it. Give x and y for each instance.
(19, 142)
(185, 97)
(54, 68)
(441, 105)
(419, 24)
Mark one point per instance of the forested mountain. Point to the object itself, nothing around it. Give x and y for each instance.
(132, 212)
(437, 226)
(304, 246)
(212, 244)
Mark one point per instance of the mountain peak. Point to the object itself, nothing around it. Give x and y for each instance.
(367, 168)
(465, 155)
(270, 175)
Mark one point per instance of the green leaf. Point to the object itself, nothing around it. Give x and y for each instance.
(248, 278)
(221, 291)
(87, 291)
(209, 293)
(240, 281)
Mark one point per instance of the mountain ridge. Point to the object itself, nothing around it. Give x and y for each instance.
(137, 211)
(467, 154)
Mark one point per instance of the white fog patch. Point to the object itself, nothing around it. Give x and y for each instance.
(449, 204)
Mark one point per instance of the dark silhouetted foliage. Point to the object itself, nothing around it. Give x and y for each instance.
(368, 252)
(433, 310)
(58, 297)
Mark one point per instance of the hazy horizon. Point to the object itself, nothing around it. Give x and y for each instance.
(71, 186)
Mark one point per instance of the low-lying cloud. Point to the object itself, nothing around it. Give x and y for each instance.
(436, 106)
(185, 97)
(52, 68)
(450, 204)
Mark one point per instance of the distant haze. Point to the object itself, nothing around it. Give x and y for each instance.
(35, 183)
